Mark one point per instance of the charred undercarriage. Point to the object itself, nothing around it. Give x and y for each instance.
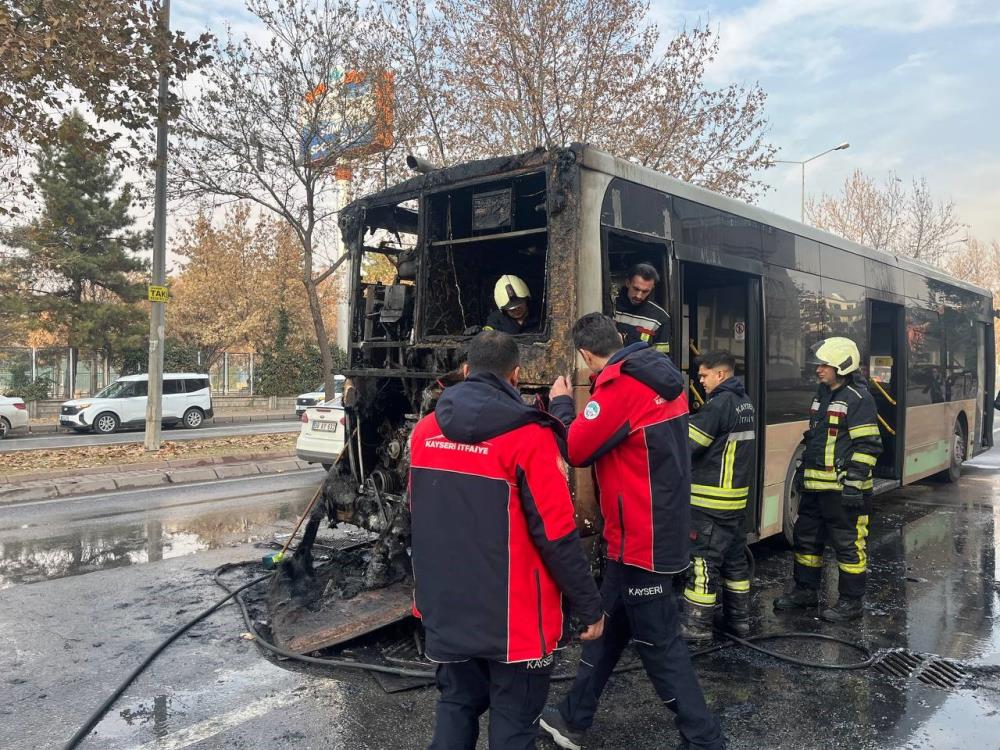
(447, 236)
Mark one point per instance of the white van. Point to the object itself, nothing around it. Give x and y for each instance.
(187, 399)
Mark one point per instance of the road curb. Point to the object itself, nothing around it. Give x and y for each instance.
(178, 472)
(44, 429)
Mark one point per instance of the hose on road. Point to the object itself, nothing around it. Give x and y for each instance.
(264, 644)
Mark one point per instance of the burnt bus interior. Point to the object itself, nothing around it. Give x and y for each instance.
(474, 235)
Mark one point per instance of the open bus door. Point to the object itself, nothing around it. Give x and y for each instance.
(723, 309)
(886, 365)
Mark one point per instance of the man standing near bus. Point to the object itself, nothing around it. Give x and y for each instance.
(841, 446)
(637, 316)
(494, 548)
(722, 437)
(634, 430)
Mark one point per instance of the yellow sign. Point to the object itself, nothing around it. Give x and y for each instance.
(157, 294)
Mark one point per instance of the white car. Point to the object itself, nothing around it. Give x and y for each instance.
(187, 400)
(13, 415)
(323, 433)
(317, 396)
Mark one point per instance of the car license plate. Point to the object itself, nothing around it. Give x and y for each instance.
(324, 426)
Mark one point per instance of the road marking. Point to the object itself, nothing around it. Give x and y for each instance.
(218, 724)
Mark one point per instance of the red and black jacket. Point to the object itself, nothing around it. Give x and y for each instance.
(634, 430)
(494, 542)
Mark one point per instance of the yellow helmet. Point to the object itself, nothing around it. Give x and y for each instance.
(837, 352)
(510, 290)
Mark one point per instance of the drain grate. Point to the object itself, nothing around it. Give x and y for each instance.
(926, 668)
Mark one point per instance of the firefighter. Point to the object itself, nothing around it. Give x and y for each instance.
(722, 437)
(494, 550)
(841, 446)
(634, 431)
(637, 316)
(513, 314)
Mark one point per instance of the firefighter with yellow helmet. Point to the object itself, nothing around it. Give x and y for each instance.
(834, 477)
(513, 314)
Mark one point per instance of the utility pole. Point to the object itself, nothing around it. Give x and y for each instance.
(157, 289)
(343, 175)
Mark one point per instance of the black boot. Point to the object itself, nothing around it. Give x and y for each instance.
(845, 610)
(736, 606)
(799, 597)
(697, 623)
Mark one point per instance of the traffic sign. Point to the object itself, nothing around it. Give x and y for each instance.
(157, 293)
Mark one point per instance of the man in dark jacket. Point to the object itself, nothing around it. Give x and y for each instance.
(722, 437)
(494, 548)
(841, 447)
(634, 431)
(637, 316)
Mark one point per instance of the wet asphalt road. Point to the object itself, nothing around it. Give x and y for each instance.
(87, 589)
(73, 440)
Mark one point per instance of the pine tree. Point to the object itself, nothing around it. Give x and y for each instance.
(76, 262)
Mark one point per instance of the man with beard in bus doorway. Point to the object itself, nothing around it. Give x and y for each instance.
(637, 316)
(634, 431)
(841, 447)
(494, 549)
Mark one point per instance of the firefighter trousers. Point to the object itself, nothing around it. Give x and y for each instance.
(718, 557)
(515, 695)
(641, 606)
(823, 520)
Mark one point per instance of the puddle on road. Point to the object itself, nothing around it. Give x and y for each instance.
(121, 545)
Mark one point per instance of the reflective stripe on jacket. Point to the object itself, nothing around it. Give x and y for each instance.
(843, 442)
(723, 444)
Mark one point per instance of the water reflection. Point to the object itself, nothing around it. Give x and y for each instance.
(933, 588)
(103, 548)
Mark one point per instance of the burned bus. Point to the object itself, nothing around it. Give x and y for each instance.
(570, 222)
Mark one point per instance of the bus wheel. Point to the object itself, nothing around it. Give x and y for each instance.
(790, 508)
(959, 446)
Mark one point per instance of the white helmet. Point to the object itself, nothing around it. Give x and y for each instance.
(509, 291)
(837, 352)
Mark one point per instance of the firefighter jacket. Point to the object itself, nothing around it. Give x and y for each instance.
(723, 449)
(842, 443)
(634, 431)
(498, 320)
(493, 538)
(644, 322)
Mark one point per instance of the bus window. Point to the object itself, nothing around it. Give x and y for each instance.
(926, 381)
(475, 235)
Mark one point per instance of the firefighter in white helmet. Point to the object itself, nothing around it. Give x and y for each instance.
(834, 477)
(513, 314)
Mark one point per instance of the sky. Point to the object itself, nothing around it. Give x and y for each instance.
(912, 85)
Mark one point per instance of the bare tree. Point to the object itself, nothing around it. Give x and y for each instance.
(273, 120)
(488, 77)
(888, 217)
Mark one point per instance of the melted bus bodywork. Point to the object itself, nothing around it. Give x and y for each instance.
(571, 222)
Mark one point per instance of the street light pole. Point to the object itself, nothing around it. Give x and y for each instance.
(154, 402)
(802, 196)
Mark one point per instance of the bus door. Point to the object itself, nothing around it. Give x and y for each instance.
(887, 327)
(985, 345)
(723, 309)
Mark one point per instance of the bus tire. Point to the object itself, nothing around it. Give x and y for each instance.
(790, 507)
(959, 447)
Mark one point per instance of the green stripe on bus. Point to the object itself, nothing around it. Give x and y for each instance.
(929, 457)
(771, 511)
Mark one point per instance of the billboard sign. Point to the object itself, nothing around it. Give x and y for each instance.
(348, 116)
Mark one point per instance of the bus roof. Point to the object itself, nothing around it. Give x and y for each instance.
(601, 161)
